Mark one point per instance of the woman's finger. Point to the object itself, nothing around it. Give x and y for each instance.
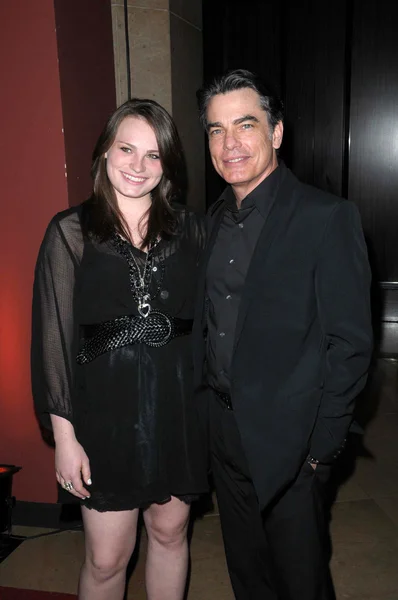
(78, 487)
(86, 473)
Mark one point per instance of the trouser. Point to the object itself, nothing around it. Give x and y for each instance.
(282, 553)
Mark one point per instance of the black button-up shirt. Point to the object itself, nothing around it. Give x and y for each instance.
(227, 269)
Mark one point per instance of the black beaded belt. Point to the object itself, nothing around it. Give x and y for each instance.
(225, 398)
(156, 330)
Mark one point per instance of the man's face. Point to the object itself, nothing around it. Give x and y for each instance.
(242, 148)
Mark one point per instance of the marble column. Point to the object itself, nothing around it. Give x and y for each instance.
(165, 64)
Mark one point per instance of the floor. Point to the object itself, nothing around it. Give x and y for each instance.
(364, 523)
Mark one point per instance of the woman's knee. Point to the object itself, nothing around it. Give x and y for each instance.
(104, 567)
(167, 531)
(110, 540)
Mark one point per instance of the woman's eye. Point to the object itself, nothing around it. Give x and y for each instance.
(125, 149)
(154, 156)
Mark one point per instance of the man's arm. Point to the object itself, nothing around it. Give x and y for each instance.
(343, 296)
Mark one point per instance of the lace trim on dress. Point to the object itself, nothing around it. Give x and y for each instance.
(103, 502)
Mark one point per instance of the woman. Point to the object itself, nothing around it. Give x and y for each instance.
(111, 358)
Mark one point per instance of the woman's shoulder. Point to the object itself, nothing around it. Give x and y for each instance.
(71, 215)
(65, 228)
(186, 214)
(191, 223)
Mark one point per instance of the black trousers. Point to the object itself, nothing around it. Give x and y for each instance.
(281, 554)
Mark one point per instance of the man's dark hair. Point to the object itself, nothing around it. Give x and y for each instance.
(237, 80)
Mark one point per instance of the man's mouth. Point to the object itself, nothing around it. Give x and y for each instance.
(236, 160)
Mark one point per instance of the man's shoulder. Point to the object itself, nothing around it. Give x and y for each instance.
(220, 202)
(215, 207)
(314, 199)
(313, 194)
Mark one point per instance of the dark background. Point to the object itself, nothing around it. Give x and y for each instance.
(335, 65)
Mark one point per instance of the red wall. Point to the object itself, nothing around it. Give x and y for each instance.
(50, 82)
(33, 188)
(85, 53)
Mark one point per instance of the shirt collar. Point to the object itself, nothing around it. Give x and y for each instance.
(261, 197)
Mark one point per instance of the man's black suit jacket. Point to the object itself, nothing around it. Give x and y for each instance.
(303, 337)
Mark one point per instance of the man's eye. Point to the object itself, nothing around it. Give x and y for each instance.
(247, 126)
(215, 132)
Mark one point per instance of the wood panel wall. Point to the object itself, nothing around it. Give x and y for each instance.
(335, 65)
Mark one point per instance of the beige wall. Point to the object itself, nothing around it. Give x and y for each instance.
(166, 65)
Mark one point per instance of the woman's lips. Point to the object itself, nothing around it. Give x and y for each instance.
(133, 178)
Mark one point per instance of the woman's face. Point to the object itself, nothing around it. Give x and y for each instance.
(133, 163)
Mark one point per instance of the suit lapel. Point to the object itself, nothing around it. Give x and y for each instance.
(278, 218)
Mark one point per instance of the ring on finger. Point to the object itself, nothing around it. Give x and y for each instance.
(68, 486)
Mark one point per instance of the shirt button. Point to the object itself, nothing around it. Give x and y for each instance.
(228, 297)
(221, 334)
(164, 294)
(154, 269)
(240, 225)
(231, 261)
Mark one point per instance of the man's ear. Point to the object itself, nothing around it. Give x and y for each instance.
(277, 135)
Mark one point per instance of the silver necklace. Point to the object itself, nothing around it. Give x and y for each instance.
(141, 289)
(140, 281)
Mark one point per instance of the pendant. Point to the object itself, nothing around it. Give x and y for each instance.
(144, 308)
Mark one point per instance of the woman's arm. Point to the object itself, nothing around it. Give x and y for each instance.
(71, 461)
(53, 345)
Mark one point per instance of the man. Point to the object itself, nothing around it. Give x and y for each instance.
(282, 342)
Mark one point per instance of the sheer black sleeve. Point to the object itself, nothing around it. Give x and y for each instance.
(196, 230)
(54, 337)
(199, 231)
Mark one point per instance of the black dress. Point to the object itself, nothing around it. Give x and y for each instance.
(132, 408)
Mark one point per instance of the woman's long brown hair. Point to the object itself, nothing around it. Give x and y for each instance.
(103, 216)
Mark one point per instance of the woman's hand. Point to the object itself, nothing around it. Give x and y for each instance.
(72, 466)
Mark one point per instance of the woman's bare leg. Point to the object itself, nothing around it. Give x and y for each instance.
(167, 559)
(110, 540)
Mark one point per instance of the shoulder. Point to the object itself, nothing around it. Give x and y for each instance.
(69, 216)
(317, 197)
(186, 215)
(325, 215)
(189, 211)
(219, 203)
(191, 223)
(64, 229)
(309, 194)
(318, 203)
(328, 206)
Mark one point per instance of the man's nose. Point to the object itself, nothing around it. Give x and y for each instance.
(230, 141)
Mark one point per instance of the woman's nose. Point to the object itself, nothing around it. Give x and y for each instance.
(137, 163)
